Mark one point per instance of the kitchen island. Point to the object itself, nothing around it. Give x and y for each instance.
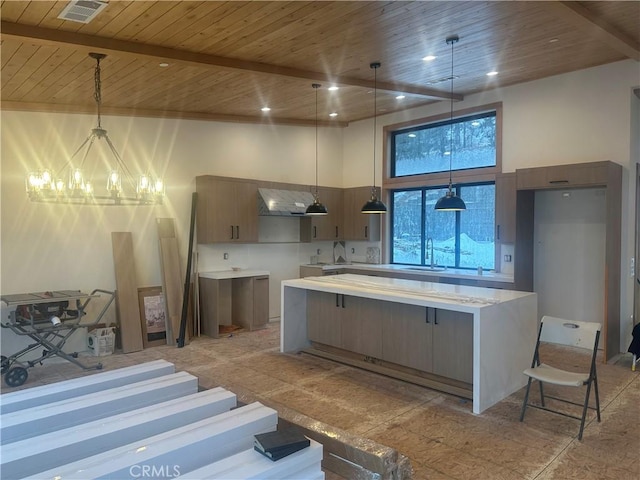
(474, 342)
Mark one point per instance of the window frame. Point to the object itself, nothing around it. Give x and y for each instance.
(423, 219)
(435, 124)
(458, 177)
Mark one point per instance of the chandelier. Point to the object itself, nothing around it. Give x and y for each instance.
(70, 186)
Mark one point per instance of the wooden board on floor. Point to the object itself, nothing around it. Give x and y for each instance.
(171, 277)
(127, 292)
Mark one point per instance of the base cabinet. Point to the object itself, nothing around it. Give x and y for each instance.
(239, 301)
(435, 341)
(324, 318)
(407, 337)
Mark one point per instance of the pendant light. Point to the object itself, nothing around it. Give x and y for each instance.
(374, 205)
(451, 202)
(316, 208)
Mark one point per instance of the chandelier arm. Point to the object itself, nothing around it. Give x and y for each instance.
(123, 166)
(86, 153)
(68, 162)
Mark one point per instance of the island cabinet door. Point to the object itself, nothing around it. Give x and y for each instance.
(362, 320)
(407, 336)
(453, 345)
(324, 313)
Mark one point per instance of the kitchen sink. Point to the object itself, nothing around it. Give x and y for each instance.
(435, 268)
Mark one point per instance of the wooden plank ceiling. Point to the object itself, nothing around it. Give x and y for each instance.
(229, 59)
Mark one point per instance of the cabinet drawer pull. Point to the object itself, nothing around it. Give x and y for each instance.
(498, 232)
(426, 315)
(231, 232)
(435, 316)
(314, 232)
(342, 301)
(337, 300)
(366, 231)
(238, 232)
(336, 231)
(558, 181)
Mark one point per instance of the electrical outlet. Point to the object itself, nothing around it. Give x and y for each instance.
(507, 258)
(226, 256)
(353, 250)
(319, 252)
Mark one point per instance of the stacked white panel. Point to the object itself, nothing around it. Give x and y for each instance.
(251, 465)
(183, 449)
(35, 421)
(54, 392)
(50, 450)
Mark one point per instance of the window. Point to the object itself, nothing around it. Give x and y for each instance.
(425, 149)
(417, 170)
(459, 239)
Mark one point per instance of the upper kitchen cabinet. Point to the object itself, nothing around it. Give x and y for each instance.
(506, 208)
(324, 227)
(563, 176)
(358, 226)
(227, 210)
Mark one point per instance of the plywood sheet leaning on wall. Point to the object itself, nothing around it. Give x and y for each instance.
(127, 292)
(171, 277)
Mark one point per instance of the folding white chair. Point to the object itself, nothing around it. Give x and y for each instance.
(573, 334)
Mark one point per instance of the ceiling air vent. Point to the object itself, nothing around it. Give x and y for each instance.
(82, 11)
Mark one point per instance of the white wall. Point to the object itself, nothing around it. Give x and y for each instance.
(582, 116)
(569, 253)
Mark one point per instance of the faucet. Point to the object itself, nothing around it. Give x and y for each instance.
(429, 255)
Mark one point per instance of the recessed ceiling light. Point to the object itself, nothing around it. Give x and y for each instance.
(412, 135)
(333, 114)
(265, 109)
(333, 88)
(163, 64)
(429, 58)
(492, 73)
(553, 40)
(475, 123)
(400, 97)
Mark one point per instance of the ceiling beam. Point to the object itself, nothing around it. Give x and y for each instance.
(89, 43)
(137, 112)
(590, 23)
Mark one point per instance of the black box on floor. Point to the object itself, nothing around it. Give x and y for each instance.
(280, 443)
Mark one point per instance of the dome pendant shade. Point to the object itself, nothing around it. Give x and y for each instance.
(374, 206)
(450, 203)
(316, 208)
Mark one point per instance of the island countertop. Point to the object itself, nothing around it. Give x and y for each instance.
(431, 294)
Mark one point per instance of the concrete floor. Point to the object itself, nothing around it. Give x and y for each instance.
(438, 432)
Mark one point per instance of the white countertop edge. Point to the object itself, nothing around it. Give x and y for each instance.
(462, 298)
(224, 274)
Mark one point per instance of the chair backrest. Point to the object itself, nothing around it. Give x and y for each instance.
(569, 332)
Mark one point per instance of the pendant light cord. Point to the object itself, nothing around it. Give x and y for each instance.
(453, 40)
(375, 110)
(316, 143)
(316, 86)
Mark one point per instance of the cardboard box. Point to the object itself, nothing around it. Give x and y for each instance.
(101, 341)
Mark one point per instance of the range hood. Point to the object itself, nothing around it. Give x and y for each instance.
(283, 203)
